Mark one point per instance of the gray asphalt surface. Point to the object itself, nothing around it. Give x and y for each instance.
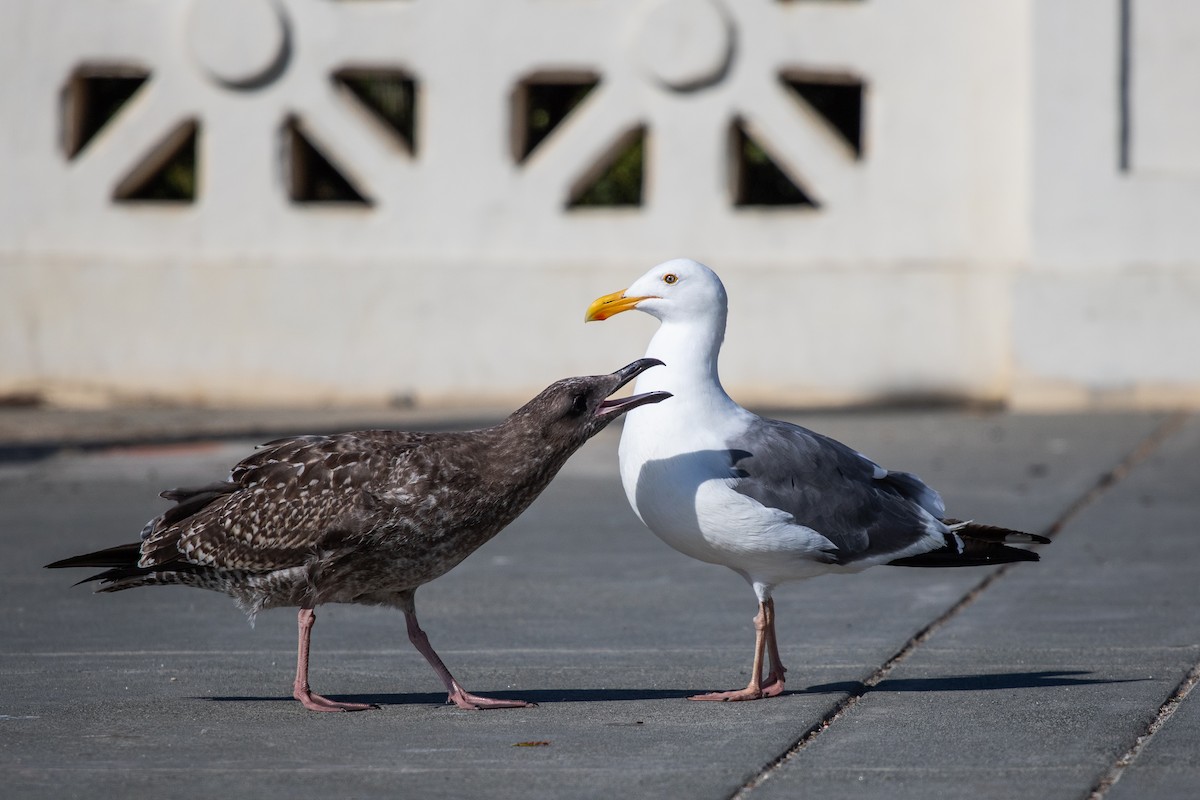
(1048, 680)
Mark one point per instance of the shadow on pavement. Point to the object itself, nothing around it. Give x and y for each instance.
(534, 696)
(968, 683)
(950, 683)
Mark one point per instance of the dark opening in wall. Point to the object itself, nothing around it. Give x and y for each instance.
(617, 178)
(756, 179)
(168, 174)
(389, 95)
(312, 177)
(92, 96)
(837, 97)
(541, 102)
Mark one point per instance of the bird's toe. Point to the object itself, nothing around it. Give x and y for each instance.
(737, 695)
(315, 702)
(473, 702)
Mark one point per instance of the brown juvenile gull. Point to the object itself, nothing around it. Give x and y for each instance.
(772, 501)
(364, 517)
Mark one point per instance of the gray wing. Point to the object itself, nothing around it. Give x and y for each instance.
(865, 510)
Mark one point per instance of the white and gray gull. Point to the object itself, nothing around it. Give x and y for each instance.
(364, 517)
(772, 501)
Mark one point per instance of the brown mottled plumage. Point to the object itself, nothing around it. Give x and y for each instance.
(364, 517)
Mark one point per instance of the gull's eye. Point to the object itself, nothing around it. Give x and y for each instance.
(670, 278)
(578, 404)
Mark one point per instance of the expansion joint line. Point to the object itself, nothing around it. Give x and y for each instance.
(1169, 706)
(1105, 482)
(1165, 711)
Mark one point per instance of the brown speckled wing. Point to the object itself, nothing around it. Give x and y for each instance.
(292, 498)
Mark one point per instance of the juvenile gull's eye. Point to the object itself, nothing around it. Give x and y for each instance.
(578, 404)
(670, 278)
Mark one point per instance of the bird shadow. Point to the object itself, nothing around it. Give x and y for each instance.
(538, 696)
(969, 683)
(949, 683)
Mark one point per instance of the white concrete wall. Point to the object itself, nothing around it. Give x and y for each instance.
(985, 246)
(1107, 311)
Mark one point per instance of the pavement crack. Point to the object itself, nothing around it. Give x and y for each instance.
(1108, 480)
(1165, 712)
(1103, 484)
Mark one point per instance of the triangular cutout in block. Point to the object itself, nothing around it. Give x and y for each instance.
(168, 174)
(837, 98)
(312, 176)
(757, 179)
(617, 178)
(389, 95)
(92, 97)
(541, 102)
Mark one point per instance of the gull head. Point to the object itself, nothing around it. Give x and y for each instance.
(570, 411)
(679, 289)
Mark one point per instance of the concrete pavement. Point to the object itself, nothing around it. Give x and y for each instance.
(1055, 679)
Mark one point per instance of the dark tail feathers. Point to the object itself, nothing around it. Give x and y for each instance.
(118, 562)
(972, 545)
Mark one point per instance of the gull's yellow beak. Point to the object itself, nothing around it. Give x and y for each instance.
(604, 307)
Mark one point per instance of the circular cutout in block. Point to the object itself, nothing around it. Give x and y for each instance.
(684, 44)
(241, 44)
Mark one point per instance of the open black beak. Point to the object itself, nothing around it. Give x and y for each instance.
(615, 407)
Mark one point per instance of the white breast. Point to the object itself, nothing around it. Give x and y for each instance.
(677, 478)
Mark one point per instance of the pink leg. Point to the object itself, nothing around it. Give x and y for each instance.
(773, 685)
(300, 690)
(764, 637)
(459, 696)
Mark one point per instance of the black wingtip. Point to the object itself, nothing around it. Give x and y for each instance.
(1017, 554)
(99, 576)
(123, 555)
(994, 533)
(972, 557)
